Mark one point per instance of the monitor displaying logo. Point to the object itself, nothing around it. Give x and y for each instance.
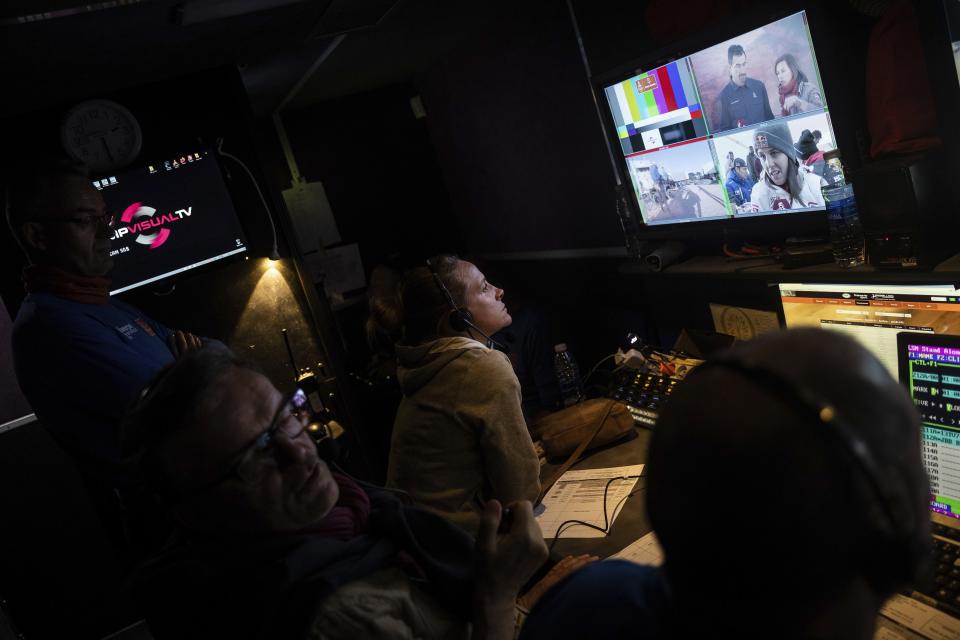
(139, 219)
(169, 221)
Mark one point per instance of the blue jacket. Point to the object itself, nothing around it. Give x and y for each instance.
(738, 188)
(609, 599)
(80, 365)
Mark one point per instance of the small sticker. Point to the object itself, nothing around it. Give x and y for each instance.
(146, 327)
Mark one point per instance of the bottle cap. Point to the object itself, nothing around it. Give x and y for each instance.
(560, 348)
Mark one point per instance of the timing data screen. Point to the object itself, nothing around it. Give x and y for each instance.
(933, 377)
(171, 217)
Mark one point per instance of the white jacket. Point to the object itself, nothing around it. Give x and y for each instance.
(769, 197)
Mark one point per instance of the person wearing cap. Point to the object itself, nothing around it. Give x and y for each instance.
(744, 100)
(738, 183)
(809, 154)
(785, 183)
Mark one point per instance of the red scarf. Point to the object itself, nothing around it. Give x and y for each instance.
(348, 518)
(813, 158)
(785, 90)
(85, 289)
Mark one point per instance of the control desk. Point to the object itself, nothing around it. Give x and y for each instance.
(644, 394)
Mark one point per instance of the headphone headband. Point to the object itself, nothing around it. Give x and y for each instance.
(443, 288)
(902, 522)
(461, 319)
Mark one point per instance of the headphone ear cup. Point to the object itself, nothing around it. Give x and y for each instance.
(460, 319)
(891, 563)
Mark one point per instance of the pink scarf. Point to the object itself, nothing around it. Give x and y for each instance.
(349, 516)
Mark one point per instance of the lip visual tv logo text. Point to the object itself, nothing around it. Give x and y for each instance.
(150, 228)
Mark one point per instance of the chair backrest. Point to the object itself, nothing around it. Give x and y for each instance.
(136, 631)
(58, 571)
(12, 403)
(7, 630)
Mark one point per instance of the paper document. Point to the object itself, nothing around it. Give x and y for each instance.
(578, 495)
(646, 551)
(888, 630)
(343, 269)
(916, 617)
(743, 323)
(313, 221)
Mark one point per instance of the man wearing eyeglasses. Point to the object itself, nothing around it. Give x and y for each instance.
(270, 542)
(79, 355)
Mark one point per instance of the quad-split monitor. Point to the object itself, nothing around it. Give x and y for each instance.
(740, 129)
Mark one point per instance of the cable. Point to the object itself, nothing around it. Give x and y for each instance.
(602, 360)
(274, 253)
(406, 497)
(606, 519)
(490, 341)
(774, 262)
(616, 508)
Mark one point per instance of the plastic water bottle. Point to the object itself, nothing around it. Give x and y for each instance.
(846, 232)
(568, 375)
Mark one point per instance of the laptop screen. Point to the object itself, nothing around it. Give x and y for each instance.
(873, 314)
(930, 369)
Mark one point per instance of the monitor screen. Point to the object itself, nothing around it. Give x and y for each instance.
(171, 217)
(952, 8)
(873, 314)
(739, 129)
(930, 369)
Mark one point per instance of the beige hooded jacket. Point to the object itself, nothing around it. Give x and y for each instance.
(459, 437)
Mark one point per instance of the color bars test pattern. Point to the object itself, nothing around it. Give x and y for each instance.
(654, 99)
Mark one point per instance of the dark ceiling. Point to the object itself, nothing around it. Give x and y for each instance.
(79, 53)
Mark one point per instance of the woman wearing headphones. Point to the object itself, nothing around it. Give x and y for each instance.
(459, 437)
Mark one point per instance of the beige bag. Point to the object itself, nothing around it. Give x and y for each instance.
(602, 420)
(583, 426)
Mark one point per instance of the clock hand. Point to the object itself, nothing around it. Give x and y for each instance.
(106, 147)
(95, 134)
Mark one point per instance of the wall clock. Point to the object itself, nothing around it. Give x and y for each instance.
(102, 134)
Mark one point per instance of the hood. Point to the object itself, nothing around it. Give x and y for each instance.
(419, 364)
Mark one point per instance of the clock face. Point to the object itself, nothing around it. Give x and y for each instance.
(101, 134)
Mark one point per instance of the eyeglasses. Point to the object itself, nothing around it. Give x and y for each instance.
(256, 456)
(85, 221)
